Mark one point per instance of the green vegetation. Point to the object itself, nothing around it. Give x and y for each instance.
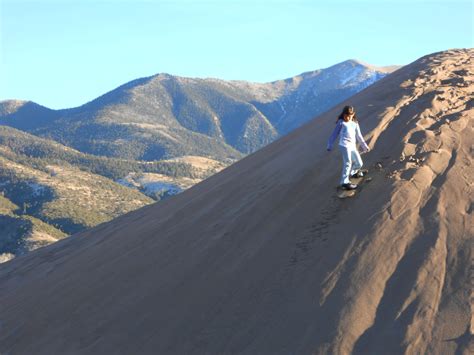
(20, 234)
(6, 206)
(66, 196)
(38, 153)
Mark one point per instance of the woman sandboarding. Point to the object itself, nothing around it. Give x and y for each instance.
(347, 127)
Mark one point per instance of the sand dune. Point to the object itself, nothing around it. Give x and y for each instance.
(262, 258)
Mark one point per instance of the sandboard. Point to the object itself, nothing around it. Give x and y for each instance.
(342, 193)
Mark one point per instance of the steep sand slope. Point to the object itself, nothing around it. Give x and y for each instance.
(263, 258)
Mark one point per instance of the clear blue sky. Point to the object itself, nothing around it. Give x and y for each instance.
(64, 53)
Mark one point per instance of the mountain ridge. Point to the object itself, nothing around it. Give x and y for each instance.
(165, 116)
(386, 68)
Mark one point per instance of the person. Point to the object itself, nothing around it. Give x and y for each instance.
(347, 127)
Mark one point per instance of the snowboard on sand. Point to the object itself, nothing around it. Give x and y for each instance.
(342, 193)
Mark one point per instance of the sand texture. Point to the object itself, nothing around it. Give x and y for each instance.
(263, 258)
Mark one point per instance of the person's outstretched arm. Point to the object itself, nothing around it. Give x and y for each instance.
(361, 140)
(334, 134)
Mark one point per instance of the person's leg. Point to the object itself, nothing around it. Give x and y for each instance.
(346, 165)
(356, 161)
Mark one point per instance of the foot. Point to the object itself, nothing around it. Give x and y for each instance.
(359, 174)
(349, 186)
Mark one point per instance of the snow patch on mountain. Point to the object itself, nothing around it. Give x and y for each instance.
(160, 187)
(351, 76)
(151, 184)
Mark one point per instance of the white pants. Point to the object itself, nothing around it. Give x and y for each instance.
(351, 162)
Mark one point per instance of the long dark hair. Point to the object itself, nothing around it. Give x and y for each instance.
(347, 110)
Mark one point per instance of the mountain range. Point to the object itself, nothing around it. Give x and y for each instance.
(165, 116)
(62, 171)
(263, 258)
